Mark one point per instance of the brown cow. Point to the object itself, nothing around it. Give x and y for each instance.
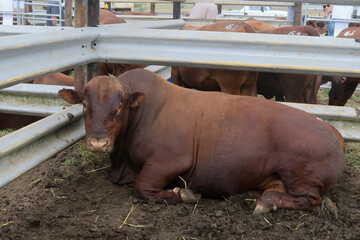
(259, 26)
(288, 87)
(55, 79)
(228, 81)
(340, 92)
(108, 17)
(220, 144)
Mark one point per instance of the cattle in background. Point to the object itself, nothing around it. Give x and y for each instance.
(55, 79)
(340, 92)
(259, 26)
(320, 26)
(17, 121)
(108, 17)
(228, 81)
(300, 88)
(135, 13)
(219, 144)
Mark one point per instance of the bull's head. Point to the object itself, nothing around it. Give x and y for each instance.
(106, 108)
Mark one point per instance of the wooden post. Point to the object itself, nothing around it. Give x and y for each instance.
(86, 15)
(176, 10)
(68, 13)
(152, 8)
(219, 7)
(297, 14)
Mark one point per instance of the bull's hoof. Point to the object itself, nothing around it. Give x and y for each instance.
(260, 210)
(187, 196)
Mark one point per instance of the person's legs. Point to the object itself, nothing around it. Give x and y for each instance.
(331, 28)
(52, 10)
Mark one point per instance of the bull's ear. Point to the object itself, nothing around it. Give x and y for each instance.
(135, 98)
(69, 95)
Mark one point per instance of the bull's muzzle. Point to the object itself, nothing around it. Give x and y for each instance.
(98, 145)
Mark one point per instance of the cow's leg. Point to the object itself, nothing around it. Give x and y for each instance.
(305, 198)
(230, 81)
(175, 76)
(153, 178)
(309, 90)
(249, 86)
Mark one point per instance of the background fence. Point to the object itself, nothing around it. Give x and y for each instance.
(41, 51)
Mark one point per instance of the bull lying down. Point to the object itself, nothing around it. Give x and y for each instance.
(220, 144)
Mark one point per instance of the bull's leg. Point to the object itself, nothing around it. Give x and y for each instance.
(123, 171)
(152, 180)
(306, 198)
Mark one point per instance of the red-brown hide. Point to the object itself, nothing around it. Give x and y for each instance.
(220, 144)
(15, 121)
(259, 26)
(55, 79)
(288, 87)
(340, 92)
(228, 81)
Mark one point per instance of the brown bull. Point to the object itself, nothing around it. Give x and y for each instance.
(228, 81)
(300, 88)
(340, 92)
(220, 144)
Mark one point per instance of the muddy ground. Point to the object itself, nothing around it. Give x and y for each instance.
(70, 196)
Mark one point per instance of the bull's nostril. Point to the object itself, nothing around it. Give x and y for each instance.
(90, 144)
(106, 143)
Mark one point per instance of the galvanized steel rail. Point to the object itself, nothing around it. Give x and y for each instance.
(258, 52)
(38, 54)
(122, 43)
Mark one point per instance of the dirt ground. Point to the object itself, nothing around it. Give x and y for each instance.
(70, 196)
(64, 199)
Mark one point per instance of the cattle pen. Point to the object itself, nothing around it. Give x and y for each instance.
(28, 52)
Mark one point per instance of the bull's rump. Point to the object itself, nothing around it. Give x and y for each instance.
(249, 139)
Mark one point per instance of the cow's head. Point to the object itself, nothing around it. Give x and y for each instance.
(106, 110)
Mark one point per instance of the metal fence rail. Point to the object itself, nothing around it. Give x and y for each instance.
(124, 43)
(36, 54)
(31, 99)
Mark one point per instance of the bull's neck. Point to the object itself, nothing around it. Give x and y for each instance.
(129, 122)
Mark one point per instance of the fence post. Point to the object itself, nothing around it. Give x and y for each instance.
(152, 8)
(176, 10)
(297, 14)
(219, 7)
(68, 13)
(86, 15)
